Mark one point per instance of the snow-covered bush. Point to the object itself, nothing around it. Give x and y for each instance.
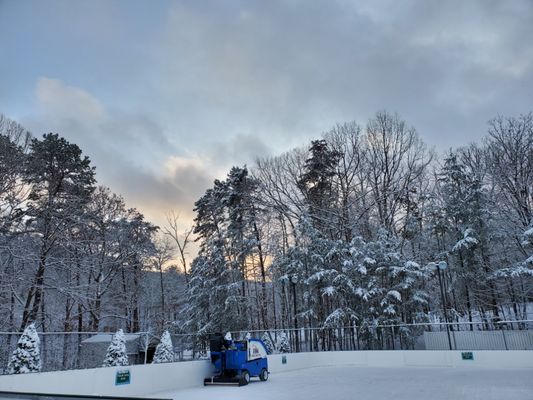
(283, 344)
(27, 356)
(116, 352)
(268, 343)
(164, 351)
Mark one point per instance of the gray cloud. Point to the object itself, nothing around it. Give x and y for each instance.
(166, 97)
(238, 150)
(293, 68)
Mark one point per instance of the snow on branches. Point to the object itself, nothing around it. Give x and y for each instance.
(164, 352)
(268, 342)
(283, 345)
(116, 352)
(467, 242)
(26, 357)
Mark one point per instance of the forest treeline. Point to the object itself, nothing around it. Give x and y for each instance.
(73, 256)
(346, 232)
(339, 232)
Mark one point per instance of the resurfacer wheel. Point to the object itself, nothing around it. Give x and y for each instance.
(245, 378)
(263, 375)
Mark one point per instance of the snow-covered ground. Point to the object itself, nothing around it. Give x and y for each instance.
(362, 383)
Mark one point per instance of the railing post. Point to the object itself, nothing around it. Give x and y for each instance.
(504, 337)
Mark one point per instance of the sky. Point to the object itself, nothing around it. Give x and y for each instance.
(165, 96)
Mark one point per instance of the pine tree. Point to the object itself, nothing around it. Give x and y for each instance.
(216, 286)
(27, 357)
(316, 184)
(464, 212)
(116, 352)
(283, 345)
(164, 351)
(242, 235)
(61, 182)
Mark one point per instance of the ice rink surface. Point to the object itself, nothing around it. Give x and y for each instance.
(373, 383)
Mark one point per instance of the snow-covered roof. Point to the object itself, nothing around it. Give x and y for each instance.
(106, 337)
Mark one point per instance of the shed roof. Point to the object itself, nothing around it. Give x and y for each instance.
(106, 337)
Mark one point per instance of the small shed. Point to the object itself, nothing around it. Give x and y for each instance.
(94, 349)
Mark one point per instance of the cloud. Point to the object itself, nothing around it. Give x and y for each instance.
(166, 97)
(238, 150)
(72, 107)
(68, 102)
(289, 70)
(131, 153)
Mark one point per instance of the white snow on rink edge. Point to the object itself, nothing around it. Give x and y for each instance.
(373, 383)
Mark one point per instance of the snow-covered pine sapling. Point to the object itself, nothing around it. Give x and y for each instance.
(164, 351)
(27, 356)
(268, 343)
(116, 352)
(283, 344)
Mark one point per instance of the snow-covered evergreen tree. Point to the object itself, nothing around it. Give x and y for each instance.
(224, 223)
(283, 345)
(465, 234)
(268, 343)
(27, 356)
(527, 264)
(116, 352)
(164, 352)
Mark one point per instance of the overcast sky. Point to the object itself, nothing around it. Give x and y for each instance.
(166, 95)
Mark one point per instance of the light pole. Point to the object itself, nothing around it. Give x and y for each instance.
(294, 280)
(442, 265)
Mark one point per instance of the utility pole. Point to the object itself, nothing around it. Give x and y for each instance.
(294, 280)
(442, 265)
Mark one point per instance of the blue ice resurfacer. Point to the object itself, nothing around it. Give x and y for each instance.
(236, 362)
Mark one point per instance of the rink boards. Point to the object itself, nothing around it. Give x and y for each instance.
(149, 380)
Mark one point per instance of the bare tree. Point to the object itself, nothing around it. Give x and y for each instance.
(181, 238)
(164, 251)
(510, 159)
(395, 159)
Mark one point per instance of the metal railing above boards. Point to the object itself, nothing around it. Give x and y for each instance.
(479, 335)
(75, 350)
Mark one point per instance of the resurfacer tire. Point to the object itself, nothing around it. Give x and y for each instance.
(245, 378)
(263, 375)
